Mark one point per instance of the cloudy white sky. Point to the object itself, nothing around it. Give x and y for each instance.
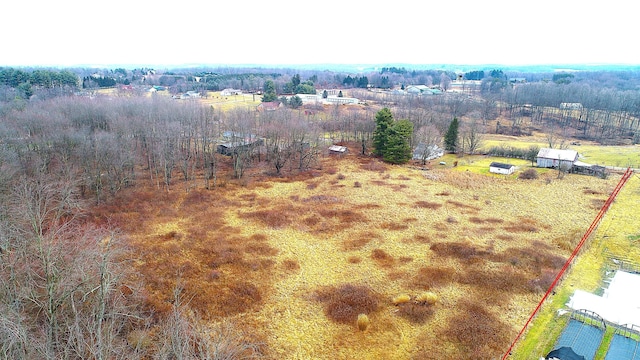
(143, 32)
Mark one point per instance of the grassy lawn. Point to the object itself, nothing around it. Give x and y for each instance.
(619, 156)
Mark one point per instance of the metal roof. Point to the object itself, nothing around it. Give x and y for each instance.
(557, 154)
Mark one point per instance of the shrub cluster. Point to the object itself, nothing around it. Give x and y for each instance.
(344, 303)
(529, 174)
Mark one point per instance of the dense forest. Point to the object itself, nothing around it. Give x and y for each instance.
(64, 287)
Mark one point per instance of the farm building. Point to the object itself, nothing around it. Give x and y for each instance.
(553, 158)
(237, 146)
(337, 149)
(340, 100)
(230, 92)
(501, 168)
(421, 90)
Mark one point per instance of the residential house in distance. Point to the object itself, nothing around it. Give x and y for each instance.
(421, 90)
(501, 168)
(188, 95)
(554, 158)
(230, 92)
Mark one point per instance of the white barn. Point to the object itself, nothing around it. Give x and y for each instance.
(501, 168)
(553, 158)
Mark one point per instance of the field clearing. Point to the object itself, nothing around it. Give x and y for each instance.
(618, 156)
(225, 103)
(591, 153)
(292, 261)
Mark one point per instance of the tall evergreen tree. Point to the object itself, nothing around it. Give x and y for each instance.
(398, 148)
(384, 119)
(451, 137)
(269, 93)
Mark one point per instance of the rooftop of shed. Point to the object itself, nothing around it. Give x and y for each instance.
(557, 154)
(501, 165)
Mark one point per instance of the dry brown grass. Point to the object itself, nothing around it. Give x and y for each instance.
(428, 205)
(261, 253)
(479, 333)
(416, 313)
(344, 303)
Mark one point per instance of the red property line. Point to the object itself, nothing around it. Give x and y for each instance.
(586, 235)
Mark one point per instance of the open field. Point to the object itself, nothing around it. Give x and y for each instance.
(294, 261)
(226, 103)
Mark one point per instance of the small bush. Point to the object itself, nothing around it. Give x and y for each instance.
(363, 322)
(341, 177)
(343, 304)
(529, 174)
(401, 299)
(428, 298)
(354, 260)
(357, 184)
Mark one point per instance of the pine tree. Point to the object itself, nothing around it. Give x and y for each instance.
(398, 147)
(269, 91)
(384, 119)
(451, 137)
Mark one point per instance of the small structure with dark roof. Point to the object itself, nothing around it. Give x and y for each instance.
(501, 168)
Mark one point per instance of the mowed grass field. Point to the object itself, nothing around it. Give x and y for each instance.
(446, 263)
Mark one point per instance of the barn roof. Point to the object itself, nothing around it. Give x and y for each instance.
(557, 154)
(500, 165)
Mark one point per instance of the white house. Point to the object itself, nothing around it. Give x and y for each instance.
(501, 168)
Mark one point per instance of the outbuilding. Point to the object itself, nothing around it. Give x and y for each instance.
(337, 149)
(501, 168)
(553, 158)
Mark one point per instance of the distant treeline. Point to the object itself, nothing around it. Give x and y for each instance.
(45, 78)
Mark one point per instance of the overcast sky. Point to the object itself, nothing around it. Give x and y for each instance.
(282, 32)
